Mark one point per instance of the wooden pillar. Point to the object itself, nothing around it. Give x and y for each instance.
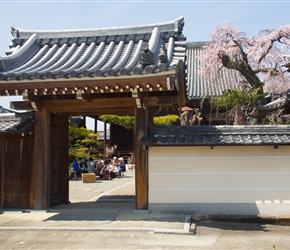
(42, 159)
(141, 159)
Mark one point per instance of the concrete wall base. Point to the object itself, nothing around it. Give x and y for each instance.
(240, 209)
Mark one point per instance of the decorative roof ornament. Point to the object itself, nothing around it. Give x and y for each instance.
(146, 56)
(163, 58)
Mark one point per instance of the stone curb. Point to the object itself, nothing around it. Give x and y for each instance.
(278, 220)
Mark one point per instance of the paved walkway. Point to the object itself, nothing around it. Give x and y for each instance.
(109, 206)
(121, 189)
(103, 205)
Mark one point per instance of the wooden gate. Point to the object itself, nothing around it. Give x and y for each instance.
(59, 187)
(18, 172)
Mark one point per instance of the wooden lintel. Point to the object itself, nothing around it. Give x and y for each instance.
(96, 106)
(168, 100)
(100, 112)
(150, 101)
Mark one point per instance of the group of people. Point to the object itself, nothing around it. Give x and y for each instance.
(106, 169)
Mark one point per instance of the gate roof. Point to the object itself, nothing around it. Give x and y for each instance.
(92, 63)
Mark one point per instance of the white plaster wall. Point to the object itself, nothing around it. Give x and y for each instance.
(255, 178)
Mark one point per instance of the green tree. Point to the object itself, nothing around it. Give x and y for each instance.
(237, 100)
(125, 121)
(167, 120)
(82, 143)
(128, 122)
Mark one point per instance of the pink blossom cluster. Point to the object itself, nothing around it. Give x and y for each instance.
(109, 151)
(262, 55)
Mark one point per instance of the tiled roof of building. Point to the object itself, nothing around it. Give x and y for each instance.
(282, 103)
(76, 121)
(4, 111)
(217, 135)
(198, 87)
(11, 122)
(120, 51)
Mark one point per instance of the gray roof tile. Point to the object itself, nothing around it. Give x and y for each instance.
(197, 87)
(217, 135)
(281, 103)
(94, 52)
(3, 110)
(15, 122)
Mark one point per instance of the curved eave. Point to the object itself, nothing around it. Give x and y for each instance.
(175, 25)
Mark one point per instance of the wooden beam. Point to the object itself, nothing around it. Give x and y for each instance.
(156, 81)
(102, 112)
(113, 104)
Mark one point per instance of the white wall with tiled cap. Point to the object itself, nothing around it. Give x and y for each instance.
(228, 177)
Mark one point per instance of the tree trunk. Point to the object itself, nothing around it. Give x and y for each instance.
(238, 113)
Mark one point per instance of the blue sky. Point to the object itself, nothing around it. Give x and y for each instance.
(200, 17)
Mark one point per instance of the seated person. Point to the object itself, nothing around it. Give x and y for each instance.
(84, 166)
(75, 166)
(91, 165)
(121, 166)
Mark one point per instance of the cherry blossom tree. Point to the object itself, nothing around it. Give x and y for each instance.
(260, 60)
(263, 62)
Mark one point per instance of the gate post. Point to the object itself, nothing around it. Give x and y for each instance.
(141, 159)
(42, 159)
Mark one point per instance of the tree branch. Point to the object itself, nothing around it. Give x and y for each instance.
(244, 69)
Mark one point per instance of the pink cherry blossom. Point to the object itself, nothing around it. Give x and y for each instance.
(260, 59)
